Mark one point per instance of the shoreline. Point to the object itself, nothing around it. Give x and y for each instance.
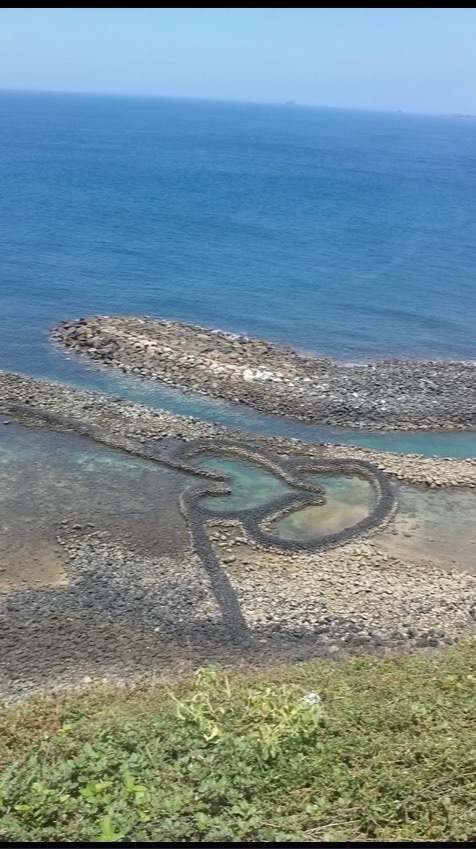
(386, 395)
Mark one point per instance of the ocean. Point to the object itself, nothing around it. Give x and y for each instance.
(344, 233)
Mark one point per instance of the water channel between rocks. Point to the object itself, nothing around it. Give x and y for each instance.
(78, 372)
(47, 478)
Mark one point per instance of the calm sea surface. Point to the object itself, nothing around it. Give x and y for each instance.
(345, 233)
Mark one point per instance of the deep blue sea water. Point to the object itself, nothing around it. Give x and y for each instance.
(346, 233)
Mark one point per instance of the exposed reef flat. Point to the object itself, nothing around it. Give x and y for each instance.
(233, 595)
(124, 613)
(383, 395)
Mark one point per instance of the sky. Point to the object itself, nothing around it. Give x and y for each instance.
(415, 60)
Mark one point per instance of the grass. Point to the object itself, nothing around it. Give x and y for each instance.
(388, 755)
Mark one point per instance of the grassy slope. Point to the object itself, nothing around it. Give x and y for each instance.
(389, 755)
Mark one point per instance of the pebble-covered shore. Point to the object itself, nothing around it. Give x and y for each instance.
(124, 612)
(383, 395)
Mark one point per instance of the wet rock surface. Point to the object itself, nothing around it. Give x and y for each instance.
(383, 395)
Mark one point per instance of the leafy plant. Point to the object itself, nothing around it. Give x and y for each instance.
(388, 755)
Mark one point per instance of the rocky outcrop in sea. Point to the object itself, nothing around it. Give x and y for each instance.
(383, 395)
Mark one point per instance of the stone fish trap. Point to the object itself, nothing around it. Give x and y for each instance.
(292, 472)
(183, 457)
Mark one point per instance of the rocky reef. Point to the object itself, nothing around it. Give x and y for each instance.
(383, 395)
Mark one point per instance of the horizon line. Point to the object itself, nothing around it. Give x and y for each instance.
(290, 104)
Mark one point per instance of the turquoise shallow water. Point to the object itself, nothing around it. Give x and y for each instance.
(348, 499)
(462, 444)
(251, 485)
(345, 233)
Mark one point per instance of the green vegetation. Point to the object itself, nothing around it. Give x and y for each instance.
(389, 754)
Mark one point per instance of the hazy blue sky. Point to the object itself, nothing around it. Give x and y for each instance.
(420, 60)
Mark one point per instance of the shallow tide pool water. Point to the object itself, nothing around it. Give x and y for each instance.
(49, 478)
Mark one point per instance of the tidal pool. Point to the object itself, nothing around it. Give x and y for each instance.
(435, 524)
(349, 499)
(431, 524)
(251, 486)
